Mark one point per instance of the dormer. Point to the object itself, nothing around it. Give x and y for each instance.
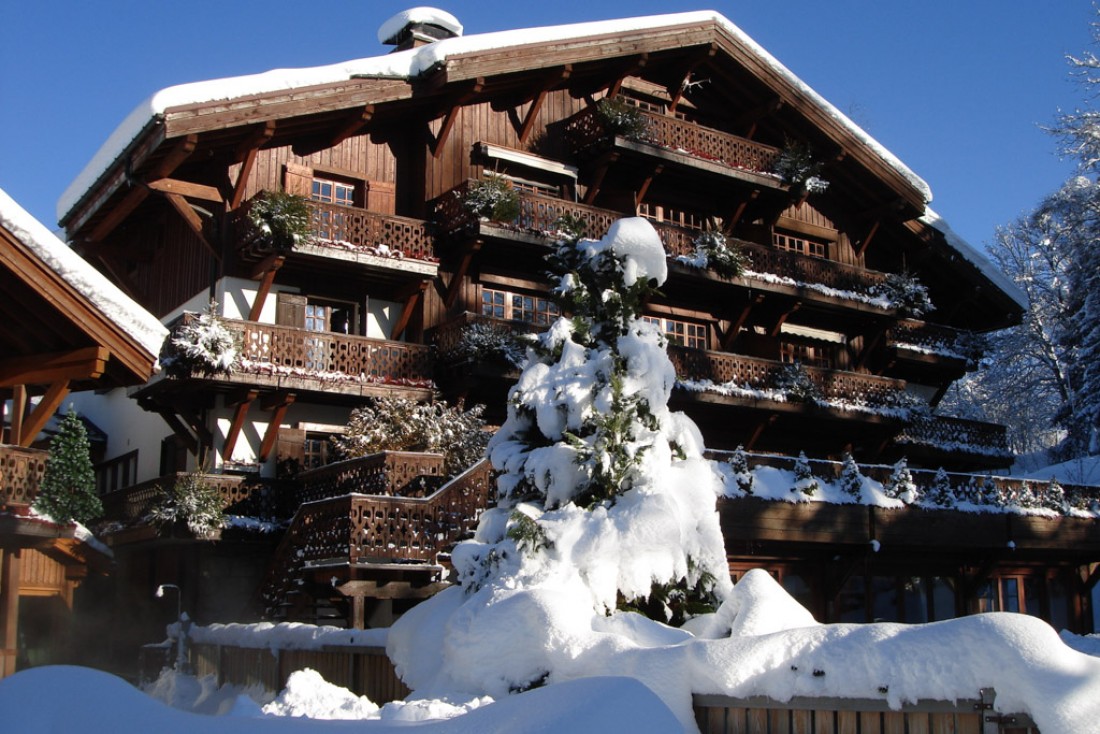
(418, 27)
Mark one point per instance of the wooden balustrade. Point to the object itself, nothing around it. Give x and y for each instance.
(387, 473)
(352, 228)
(357, 528)
(241, 495)
(957, 434)
(331, 356)
(539, 216)
(761, 374)
(932, 337)
(588, 134)
(21, 471)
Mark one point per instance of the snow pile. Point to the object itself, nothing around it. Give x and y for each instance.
(285, 636)
(115, 305)
(433, 16)
(308, 694)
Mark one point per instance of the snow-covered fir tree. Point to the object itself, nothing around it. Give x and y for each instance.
(1054, 497)
(739, 467)
(851, 480)
(67, 491)
(805, 483)
(900, 484)
(203, 344)
(400, 424)
(941, 494)
(193, 502)
(991, 493)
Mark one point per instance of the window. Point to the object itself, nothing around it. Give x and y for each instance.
(333, 192)
(800, 244)
(808, 353)
(328, 224)
(117, 473)
(681, 333)
(518, 307)
(318, 450)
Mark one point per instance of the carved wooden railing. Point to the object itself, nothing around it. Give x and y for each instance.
(587, 133)
(539, 216)
(288, 350)
(387, 473)
(241, 495)
(353, 228)
(360, 528)
(931, 337)
(21, 471)
(761, 374)
(957, 435)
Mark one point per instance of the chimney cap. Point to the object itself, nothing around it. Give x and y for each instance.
(427, 24)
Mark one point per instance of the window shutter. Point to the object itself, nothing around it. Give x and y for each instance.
(290, 310)
(290, 447)
(298, 180)
(380, 197)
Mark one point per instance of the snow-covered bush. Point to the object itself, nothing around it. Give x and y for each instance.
(905, 293)
(900, 485)
(851, 480)
(714, 251)
(203, 344)
(193, 502)
(795, 382)
(742, 474)
(485, 341)
(797, 167)
(805, 483)
(619, 117)
(281, 220)
(941, 494)
(399, 424)
(492, 197)
(67, 491)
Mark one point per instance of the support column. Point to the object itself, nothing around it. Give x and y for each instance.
(10, 574)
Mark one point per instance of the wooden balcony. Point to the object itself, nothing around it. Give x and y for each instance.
(941, 433)
(353, 233)
(385, 474)
(676, 140)
(738, 378)
(21, 472)
(919, 340)
(771, 269)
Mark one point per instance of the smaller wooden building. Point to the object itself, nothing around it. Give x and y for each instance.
(63, 327)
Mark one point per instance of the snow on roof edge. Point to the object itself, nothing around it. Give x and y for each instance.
(104, 295)
(414, 62)
(392, 27)
(975, 257)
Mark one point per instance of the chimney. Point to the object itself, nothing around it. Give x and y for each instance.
(418, 27)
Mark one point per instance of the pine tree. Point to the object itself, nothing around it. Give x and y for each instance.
(739, 465)
(941, 494)
(1054, 497)
(991, 494)
(851, 481)
(68, 485)
(900, 485)
(805, 483)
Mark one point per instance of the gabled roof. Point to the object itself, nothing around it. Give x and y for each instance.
(55, 302)
(464, 57)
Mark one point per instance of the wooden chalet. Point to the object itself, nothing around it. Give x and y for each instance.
(63, 327)
(381, 300)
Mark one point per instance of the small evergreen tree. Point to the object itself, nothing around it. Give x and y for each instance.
(193, 502)
(67, 491)
(742, 474)
(795, 382)
(1054, 497)
(851, 480)
(990, 493)
(805, 483)
(941, 494)
(900, 485)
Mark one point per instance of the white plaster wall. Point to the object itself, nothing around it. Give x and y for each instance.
(127, 426)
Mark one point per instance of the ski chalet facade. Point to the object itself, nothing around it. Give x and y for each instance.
(399, 272)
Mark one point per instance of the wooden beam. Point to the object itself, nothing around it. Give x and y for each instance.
(752, 118)
(10, 580)
(243, 402)
(271, 265)
(601, 168)
(192, 219)
(735, 327)
(740, 212)
(352, 125)
(42, 369)
(186, 188)
(452, 115)
(636, 65)
(677, 93)
(190, 441)
(414, 294)
(552, 81)
(278, 404)
(460, 273)
(18, 412)
(782, 319)
(862, 247)
(644, 188)
(42, 412)
(137, 194)
(871, 344)
(758, 430)
(246, 153)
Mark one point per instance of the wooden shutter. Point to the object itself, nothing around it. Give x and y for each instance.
(290, 310)
(298, 180)
(380, 197)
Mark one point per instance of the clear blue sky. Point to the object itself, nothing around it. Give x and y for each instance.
(957, 89)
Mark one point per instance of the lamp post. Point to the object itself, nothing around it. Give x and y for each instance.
(182, 622)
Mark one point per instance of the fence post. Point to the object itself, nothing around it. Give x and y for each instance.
(990, 721)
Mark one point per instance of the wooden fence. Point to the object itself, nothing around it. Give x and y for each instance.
(726, 715)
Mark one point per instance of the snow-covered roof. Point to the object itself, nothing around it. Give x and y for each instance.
(975, 257)
(415, 62)
(431, 16)
(104, 295)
